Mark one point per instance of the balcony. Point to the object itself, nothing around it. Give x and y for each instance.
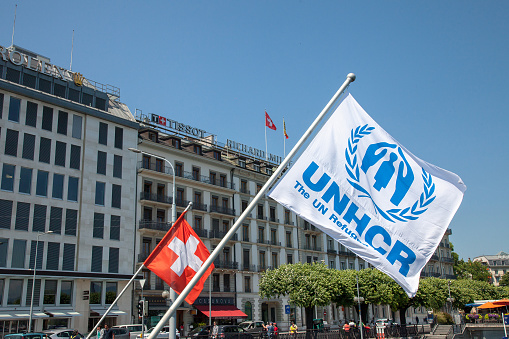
(311, 248)
(231, 265)
(450, 276)
(430, 274)
(156, 197)
(199, 206)
(222, 210)
(249, 268)
(201, 232)
(332, 251)
(263, 268)
(244, 190)
(275, 243)
(154, 225)
(217, 234)
(247, 289)
(143, 256)
(288, 222)
(347, 253)
(273, 219)
(208, 180)
(153, 166)
(434, 257)
(181, 202)
(263, 241)
(448, 260)
(261, 217)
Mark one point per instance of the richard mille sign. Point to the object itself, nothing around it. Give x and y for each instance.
(39, 65)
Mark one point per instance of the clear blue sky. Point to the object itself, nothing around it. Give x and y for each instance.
(434, 74)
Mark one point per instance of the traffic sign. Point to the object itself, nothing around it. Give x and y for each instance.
(287, 309)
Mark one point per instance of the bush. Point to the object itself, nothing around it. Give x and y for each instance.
(444, 318)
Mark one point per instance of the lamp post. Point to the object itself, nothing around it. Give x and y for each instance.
(359, 299)
(172, 293)
(33, 280)
(167, 295)
(450, 299)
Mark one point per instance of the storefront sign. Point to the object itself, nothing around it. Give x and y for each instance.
(177, 126)
(215, 301)
(252, 151)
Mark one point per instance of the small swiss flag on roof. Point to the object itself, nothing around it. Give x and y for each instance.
(268, 122)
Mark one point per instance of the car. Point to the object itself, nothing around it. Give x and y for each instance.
(35, 335)
(134, 329)
(121, 332)
(252, 326)
(384, 322)
(224, 331)
(162, 335)
(64, 333)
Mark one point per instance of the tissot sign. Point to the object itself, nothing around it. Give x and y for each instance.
(19, 59)
(199, 133)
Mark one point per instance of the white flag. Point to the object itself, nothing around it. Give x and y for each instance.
(361, 187)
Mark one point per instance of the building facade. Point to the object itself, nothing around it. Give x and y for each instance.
(66, 196)
(497, 264)
(221, 180)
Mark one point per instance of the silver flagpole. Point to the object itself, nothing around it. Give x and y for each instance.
(349, 79)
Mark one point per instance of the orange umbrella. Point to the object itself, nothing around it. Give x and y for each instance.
(502, 302)
(489, 304)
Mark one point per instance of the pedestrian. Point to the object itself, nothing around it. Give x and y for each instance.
(215, 330)
(270, 330)
(99, 332)
(293, 329)
(74, 334)
(276, 330)
(417, 320)
(108, 332)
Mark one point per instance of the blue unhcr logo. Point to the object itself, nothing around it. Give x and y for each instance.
(385, 156)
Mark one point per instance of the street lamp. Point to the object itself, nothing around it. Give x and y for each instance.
(450, 299)
(173, 294)
(33, 280)
(167, 295)
(359, 299)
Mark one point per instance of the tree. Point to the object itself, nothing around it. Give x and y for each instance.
(473, 270)
(307, 285)
(505, 280)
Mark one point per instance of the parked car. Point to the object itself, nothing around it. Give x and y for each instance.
(252, 326)
(224, 331)
(34, 335)
(58, 334)
(134, 329)
(162, 335)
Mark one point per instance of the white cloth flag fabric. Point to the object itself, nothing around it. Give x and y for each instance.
(361, 187)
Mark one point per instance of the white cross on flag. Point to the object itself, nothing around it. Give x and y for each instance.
(268, 122)
(178, 257)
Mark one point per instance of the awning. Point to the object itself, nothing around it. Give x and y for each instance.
(489, 305)
(21, 315)
(62, 314)
(102, 311)
(222, 311)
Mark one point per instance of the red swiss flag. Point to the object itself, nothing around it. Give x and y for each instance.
(268, 122)
(177, 258)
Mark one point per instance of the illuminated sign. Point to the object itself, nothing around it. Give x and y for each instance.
(34, 64)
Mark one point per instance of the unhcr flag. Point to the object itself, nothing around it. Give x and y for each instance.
(361, 187)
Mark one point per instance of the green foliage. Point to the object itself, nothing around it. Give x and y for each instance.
(474, 270)
(444, 318)
(505, 280)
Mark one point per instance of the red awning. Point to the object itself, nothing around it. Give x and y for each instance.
(222, 311)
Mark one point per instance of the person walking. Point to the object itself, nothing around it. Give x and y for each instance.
(293, 329)
(99, 332)
(74, 335)
(215, 330)
(108, 332)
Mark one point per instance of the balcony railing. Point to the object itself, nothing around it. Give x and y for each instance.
(217, 234)
(248, 267)
(332, 251)
(221, 209)
(232, 265)
(275, 243)
(430, 274)
(446, 259)
(143, 256)
(247, 289)
(450, 276)
(263, 268)
(199, 206)
(288, 222)
(244, 190)
(261, 217)
(208, 180)
(311, 248)
(273, 219)
(153, 166)
(347, 253)
(156, 197)
(201, 232)
(434, 257)
(182, 202)
(154, 225)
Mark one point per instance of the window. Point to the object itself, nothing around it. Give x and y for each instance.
(226, 282)
(4, 243)
(288, 218)
(247, 284)
(72, 189)
(288, 239)
(111, 292)
(11, 142)
(243, 187)
(258, 188)
(160, 165)
(62, 122)
(18, 254)
(71, 221)
(14, 109)
(268, 170)
(50, 292)
(272, 213)
(244, 205)
(215, 282)
(76, 126)
(12, 75)
(175, 143)
(113, 262)
(58, 186)
(100, 190)
(28, 146)
(119, 137)
(59, 90)
(261, 236)
(15, 288)
(96, 288)
(179, 169)
(1, 101)
(44, 85)
(289, 259)
(117, 166)
(97, 259)
(98, 225)
(262, 260)
(8, 178)
(75, 157)
(60, 152)
(242, 163)
(196, 173)
(5, 213)
(260, 211)
(47, 118)
(274, 260)
(197, 149)
(101, 162)
(42, 184)
(45, 150)
(273, 236)
(39, 220)
(245, 232)
(116, 196)
(68, 257)
(103, 133)
(22, 216)
(222, 180)
(66, 293)
(40, 251)
(217, 155)
(256, 167)
(31, 114)
(198, 224)
(55, 219)
(115, 227)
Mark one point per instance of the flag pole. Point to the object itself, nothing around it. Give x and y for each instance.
(284, 138)
(265, 123)
(349, 79)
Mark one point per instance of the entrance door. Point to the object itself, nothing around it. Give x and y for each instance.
(265, 312)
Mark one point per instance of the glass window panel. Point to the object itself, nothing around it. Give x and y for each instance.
(47, 118)
(14, 106)
(72, 189)
(66, 293)
(95, 292)
(15, 288)
(25, 180)
(111, 292)
(50, 292)
(8, 178)
(42, 183)
(31, 114)
(58, 186)
(76, 126)
(100, 188)
(18, 253)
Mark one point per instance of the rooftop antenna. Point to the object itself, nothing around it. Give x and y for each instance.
(72, 47)
(14, 25)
